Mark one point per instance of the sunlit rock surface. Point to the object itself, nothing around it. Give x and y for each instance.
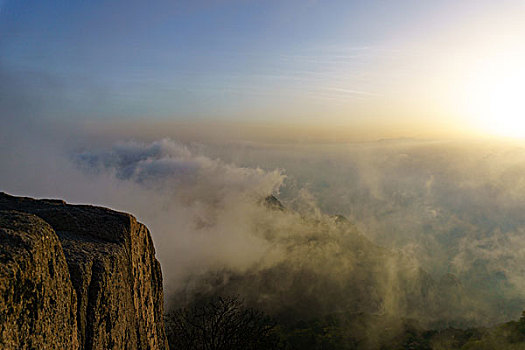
(76, 276)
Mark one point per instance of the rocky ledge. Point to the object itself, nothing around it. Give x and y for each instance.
(77, 277)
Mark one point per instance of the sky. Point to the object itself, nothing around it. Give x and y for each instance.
(183, 113)
(411, 66)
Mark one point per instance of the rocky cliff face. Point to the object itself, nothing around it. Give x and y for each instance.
(77, 277)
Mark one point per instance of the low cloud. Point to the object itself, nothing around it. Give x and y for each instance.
(428, 221)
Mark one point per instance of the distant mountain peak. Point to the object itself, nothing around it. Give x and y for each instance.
(271, 202)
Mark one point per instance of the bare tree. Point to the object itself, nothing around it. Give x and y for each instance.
(220, 324)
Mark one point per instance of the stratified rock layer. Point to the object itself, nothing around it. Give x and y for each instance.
(105, 282)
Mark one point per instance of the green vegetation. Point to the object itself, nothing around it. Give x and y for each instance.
(220, 324)
(225, 323)
(334, 289)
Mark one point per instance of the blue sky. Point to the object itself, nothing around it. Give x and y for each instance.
(227, 60)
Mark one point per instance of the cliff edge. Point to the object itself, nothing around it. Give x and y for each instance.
(77, 277)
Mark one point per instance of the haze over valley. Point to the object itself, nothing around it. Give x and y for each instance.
(353, 172)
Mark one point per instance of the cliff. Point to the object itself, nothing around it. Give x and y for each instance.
(77, 277)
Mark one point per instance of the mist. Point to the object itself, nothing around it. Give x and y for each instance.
(327, 164)
(425, 229)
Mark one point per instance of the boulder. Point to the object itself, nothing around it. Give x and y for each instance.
(117, 301)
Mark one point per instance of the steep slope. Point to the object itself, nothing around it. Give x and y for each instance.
(34, 285)
(112, 268)
(319, 266)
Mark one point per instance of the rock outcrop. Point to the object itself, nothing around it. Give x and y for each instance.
(77, 277)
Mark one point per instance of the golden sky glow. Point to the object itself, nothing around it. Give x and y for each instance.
(495, 97)
(409, 68)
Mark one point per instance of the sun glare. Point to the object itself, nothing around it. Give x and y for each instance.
(496, 97)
